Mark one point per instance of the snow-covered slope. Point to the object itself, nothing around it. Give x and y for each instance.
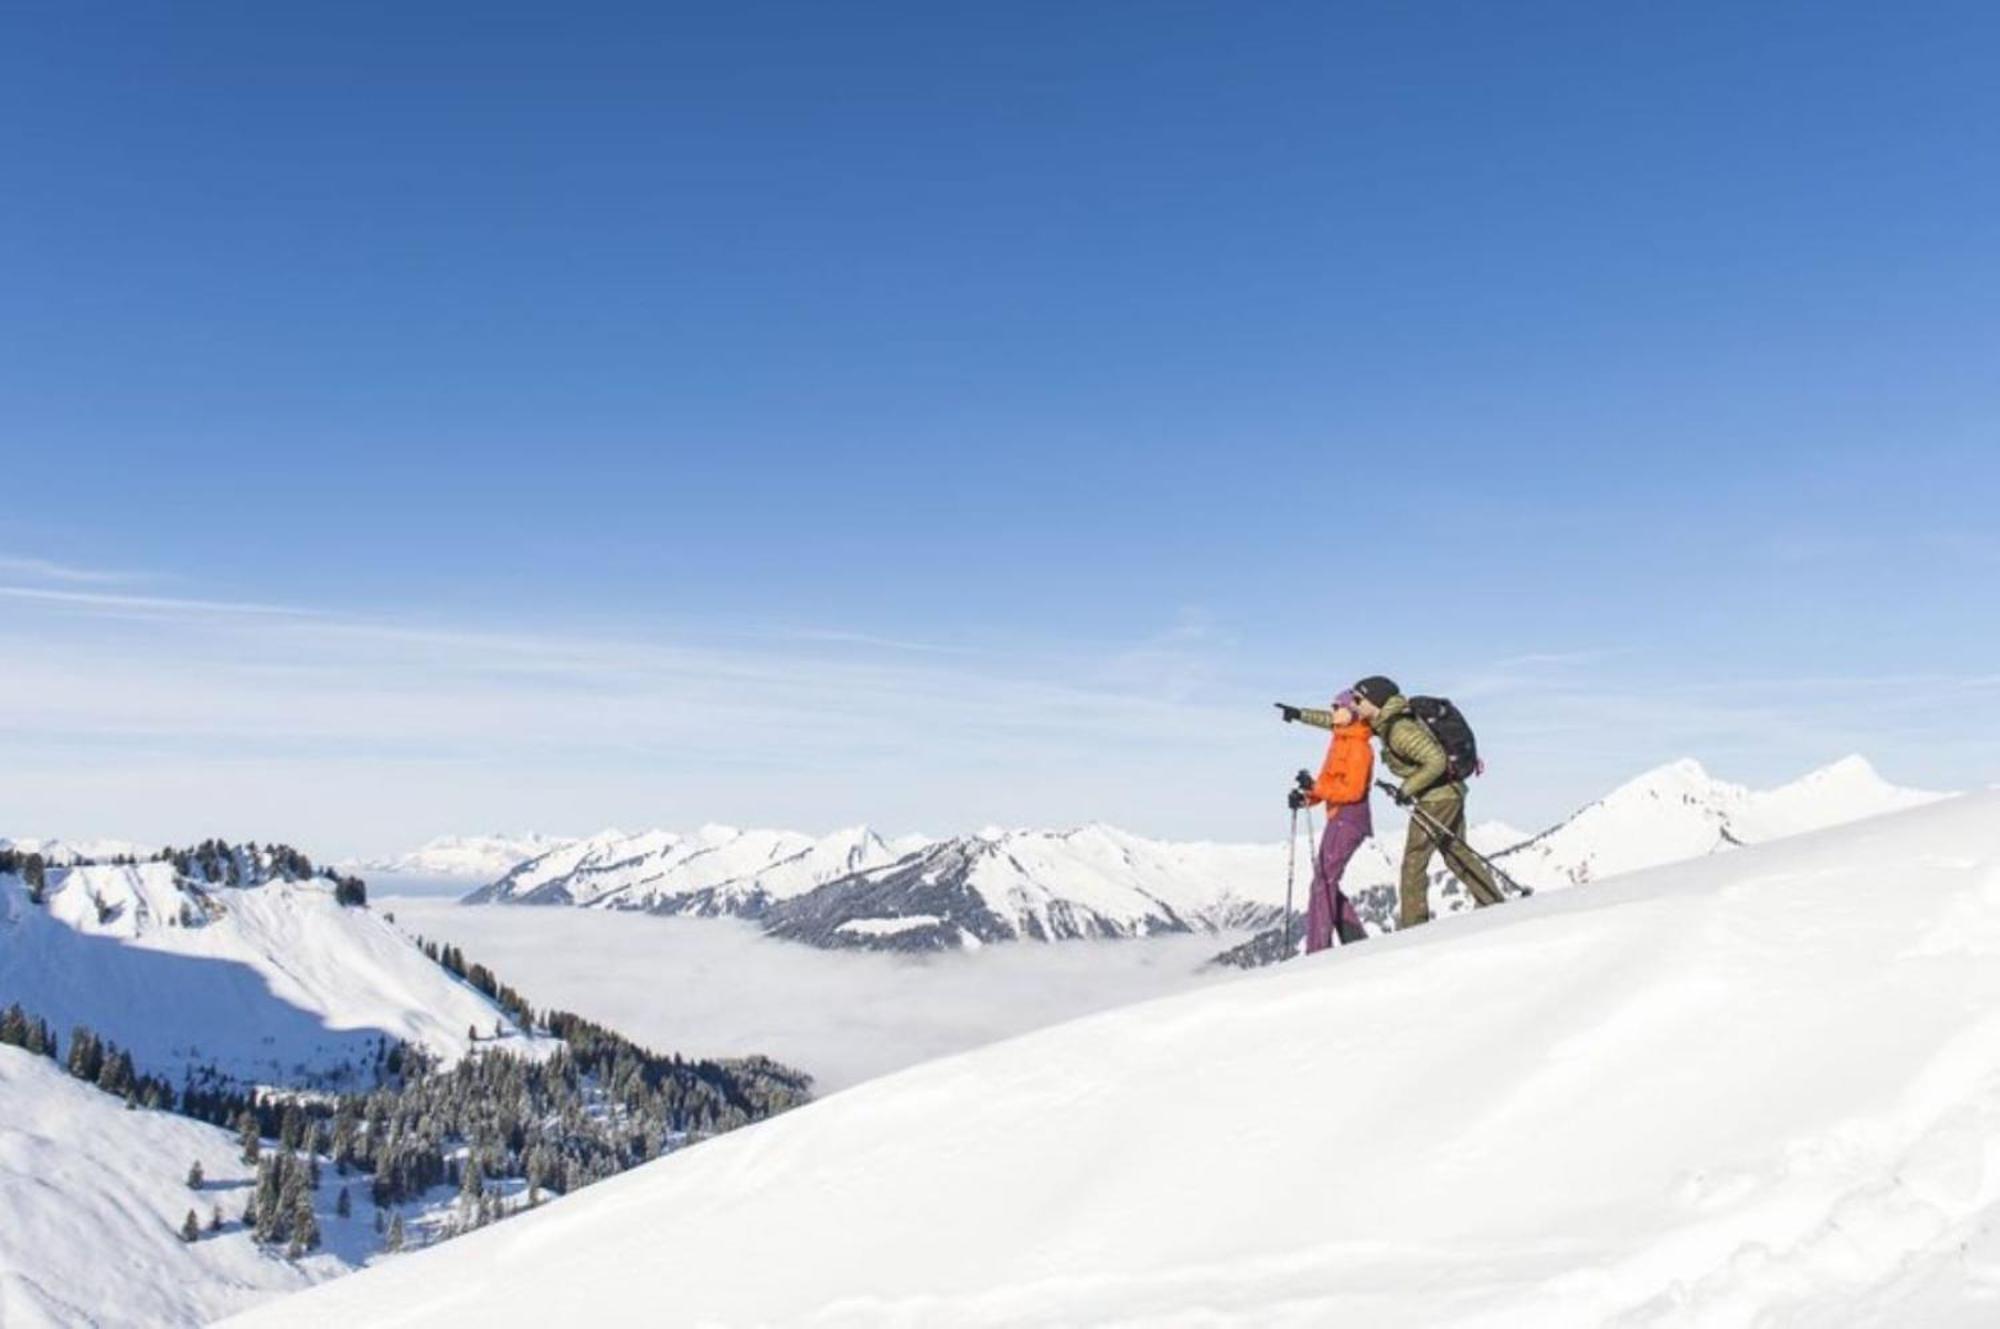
(274, 983)
(1761, 1087)
(92, 1198)
(475, 857)
(1680, 811)
(717, 870)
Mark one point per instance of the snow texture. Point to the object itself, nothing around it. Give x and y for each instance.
(92, 1198)
(1760, 1087)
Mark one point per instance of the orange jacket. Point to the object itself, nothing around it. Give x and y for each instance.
(1350, 761)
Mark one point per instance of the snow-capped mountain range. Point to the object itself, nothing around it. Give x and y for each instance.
(1680, 811)
(716, 870)
(1660, 1101)
(854, 889)
(474, 857)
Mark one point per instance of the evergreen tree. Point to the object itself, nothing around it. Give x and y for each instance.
(194, 1175)
(268, 1225)
(394, 1241)
(34, 872)
(86, 1054)
(215, 1219)
(246, 1134)
(304, 1225)
(343, 1206)
(115, 1075)
(190, 1228)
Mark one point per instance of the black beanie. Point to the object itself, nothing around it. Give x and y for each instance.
(1377, 689)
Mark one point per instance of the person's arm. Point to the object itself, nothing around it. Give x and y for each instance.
(1317, 719)
(1414, 743)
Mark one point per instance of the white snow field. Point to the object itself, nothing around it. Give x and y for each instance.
(1754, 1088)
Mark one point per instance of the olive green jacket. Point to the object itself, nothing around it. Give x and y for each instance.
(1410, 750)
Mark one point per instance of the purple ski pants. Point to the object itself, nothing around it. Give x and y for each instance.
(1329, 913)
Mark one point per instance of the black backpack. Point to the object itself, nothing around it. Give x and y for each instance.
(1448, 726)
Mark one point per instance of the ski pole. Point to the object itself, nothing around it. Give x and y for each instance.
(1291, 875)
(1444, 836)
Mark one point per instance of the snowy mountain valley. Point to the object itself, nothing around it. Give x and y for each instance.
(360, 1077)
(1633, 1104)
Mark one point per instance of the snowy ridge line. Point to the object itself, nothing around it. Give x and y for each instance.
(241, 960)
(1714, 1092)
(854, 889)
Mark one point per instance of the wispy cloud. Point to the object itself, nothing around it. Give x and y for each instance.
(353, 721)
(841, 637)
(1590, 655)
(112, 602)
(43, 569)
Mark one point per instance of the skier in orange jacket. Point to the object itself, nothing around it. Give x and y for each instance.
(1342, 787)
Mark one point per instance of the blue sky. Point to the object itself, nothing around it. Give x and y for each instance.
(465, 416)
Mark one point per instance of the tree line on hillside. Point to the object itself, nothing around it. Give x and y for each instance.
(597, 1105)
(210, 863)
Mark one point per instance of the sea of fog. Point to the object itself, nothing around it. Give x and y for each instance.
(718, 987)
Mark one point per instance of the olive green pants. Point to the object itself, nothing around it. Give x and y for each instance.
(1446, 806)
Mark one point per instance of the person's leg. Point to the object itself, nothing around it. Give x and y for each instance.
(1345, 831)
(1347, 923)
(1414, 890)
(1319, 901)
(1447, 806)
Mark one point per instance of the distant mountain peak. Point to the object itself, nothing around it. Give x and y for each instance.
(852, 888)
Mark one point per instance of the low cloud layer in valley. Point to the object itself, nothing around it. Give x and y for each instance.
(717, 987)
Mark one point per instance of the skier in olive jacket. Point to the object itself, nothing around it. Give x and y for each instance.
(1412, 753)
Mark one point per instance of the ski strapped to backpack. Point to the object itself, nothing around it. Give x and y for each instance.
(1447, 724)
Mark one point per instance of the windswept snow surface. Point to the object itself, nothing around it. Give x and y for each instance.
(1762, 1087)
